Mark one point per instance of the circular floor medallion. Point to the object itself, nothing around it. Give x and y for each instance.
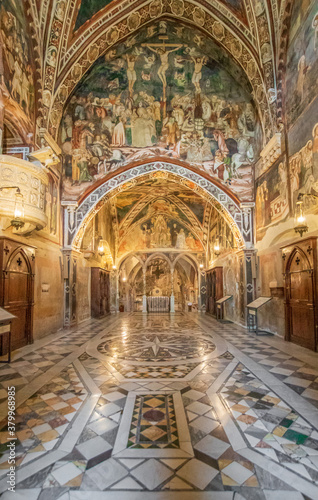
(157, 347)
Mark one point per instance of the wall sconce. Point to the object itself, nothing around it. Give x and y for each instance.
(114, 267)
(124, 278)
(216, 249)
(201, 266)
(17, 222)
(101, 247)
(300, 225)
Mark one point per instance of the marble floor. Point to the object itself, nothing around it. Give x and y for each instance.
(162, 407)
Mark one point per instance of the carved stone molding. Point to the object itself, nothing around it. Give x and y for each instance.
(238, 217)
(32, 180)
(271, 152)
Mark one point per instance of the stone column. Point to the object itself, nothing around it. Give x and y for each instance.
(202, 290)
(172, 292)
(144, 297)
(69, 222)
(70, 287)
(247, 278)
(115, 291)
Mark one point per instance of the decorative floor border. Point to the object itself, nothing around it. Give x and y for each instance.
(120, 448)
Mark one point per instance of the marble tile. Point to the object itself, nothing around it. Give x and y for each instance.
(106, 474)
(128, 483)
(152, 473)
(297, 381)
(278, 495)
(237, 472)
(198, 408)
(204, 424)
(93, 447)
(130, 463)
(102, 425)
(212, 446)
(66, 473)
(114, 396)
(108, 409)
(197, 473)
(247, 415)
(195, 395)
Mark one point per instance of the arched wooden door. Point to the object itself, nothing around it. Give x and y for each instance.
(17, 290)
(300, 298)
(214, 288)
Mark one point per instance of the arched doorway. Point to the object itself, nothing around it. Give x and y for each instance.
(300, 297)
(158, 275)
(161, 207)
(17, 289)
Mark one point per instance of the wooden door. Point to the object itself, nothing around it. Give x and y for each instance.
(214, 288)
(300, 300)
(100, 292)
(18, 296)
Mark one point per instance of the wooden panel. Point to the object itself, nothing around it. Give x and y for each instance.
(20, 326)
(17, 288)
(300, 271)
(100, 292)
(300, 315)
(214, 288)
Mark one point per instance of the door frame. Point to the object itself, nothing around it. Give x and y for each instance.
(19, 249)
(308, 249)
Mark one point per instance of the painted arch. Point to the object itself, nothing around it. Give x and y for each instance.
(110, 29)
(238, 216)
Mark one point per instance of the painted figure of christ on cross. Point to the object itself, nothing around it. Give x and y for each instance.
(162, 50)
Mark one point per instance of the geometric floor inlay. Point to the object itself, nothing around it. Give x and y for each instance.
(157, 347)
(270, 425)
(177, 407)
(170, 371)
(154, 423)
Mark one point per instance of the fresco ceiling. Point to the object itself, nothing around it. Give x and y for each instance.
(159, 215)
(160, 94)
(68, 36)
(86, 10)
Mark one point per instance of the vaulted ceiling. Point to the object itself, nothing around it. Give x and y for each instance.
(78, 32)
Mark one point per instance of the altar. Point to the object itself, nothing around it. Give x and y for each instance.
(159, 304)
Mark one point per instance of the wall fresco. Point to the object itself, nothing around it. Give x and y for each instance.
(159, 232)
(102, 226)
(304, 162)
(17, 62)
(158, 94)
(87, 9)
(271, 204)
(221, 235)
(52, 204)
(302, 60)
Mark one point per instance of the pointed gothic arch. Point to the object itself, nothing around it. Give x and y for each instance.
(238, 215)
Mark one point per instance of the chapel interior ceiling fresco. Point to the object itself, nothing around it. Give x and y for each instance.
(158, 215)
(17, 67)
(86, 10)
(159, 94)
(247, 30)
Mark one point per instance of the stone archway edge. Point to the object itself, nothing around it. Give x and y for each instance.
(77, 216)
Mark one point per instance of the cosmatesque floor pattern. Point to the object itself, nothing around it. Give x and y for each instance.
(162, 407)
